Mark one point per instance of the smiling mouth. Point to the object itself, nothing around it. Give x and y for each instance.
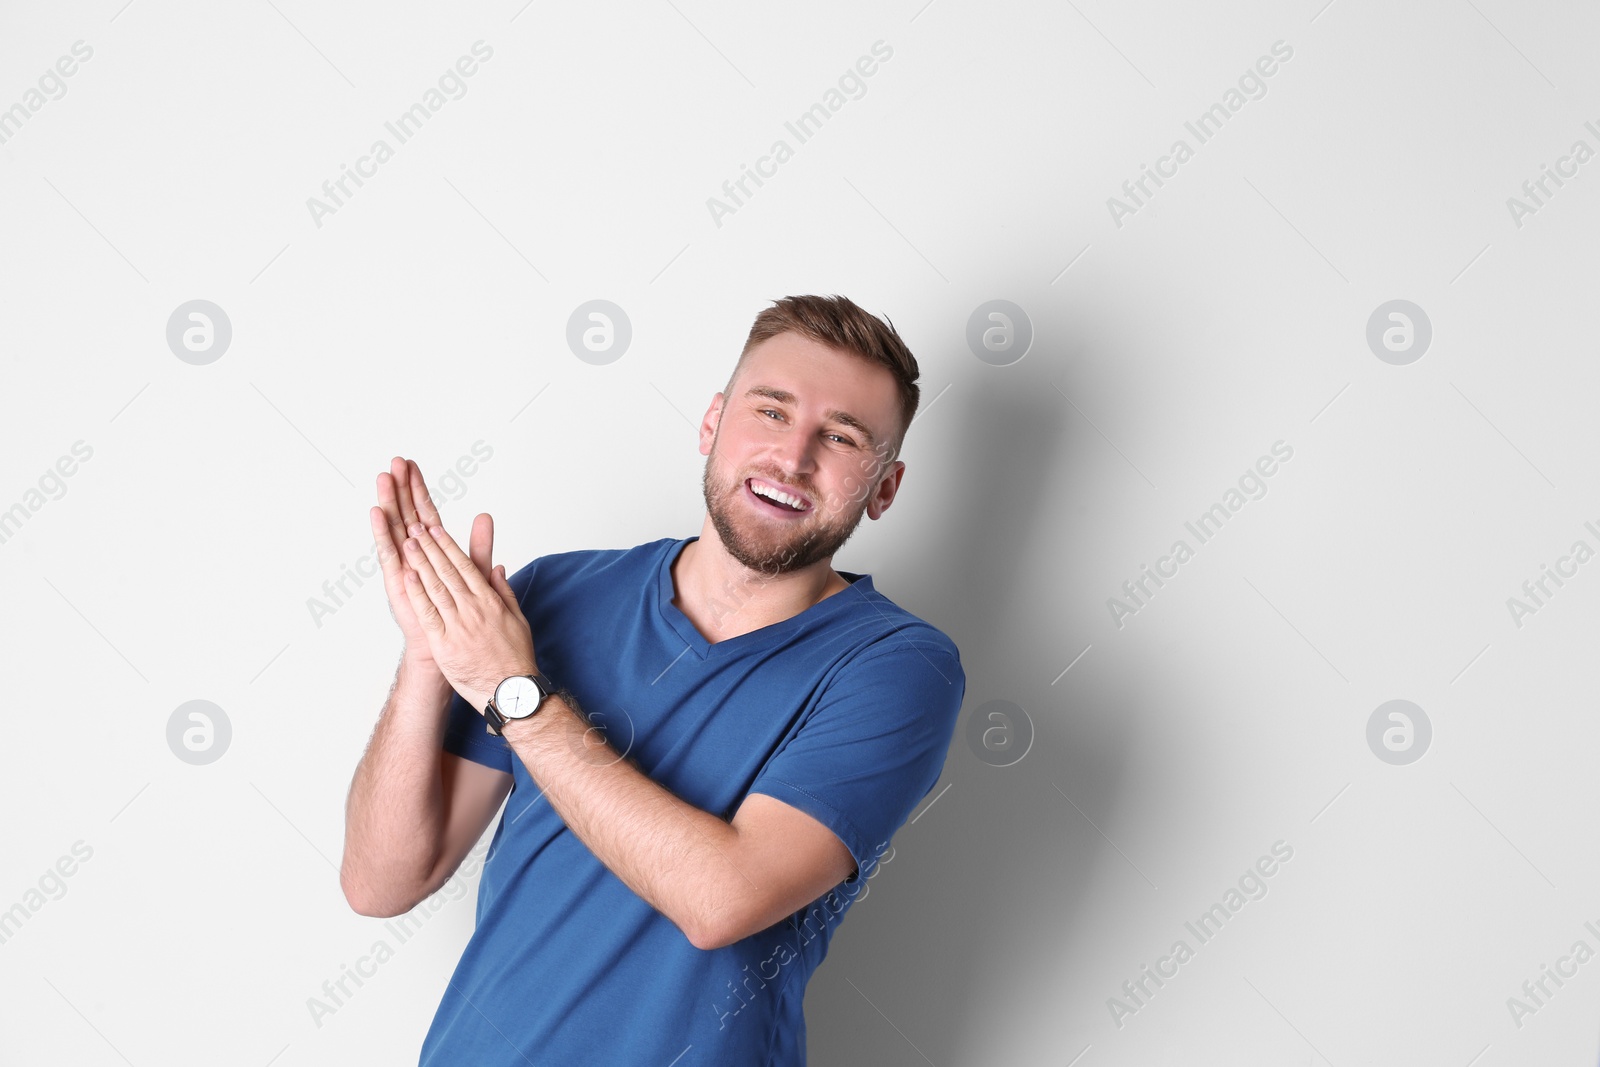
(774, 505)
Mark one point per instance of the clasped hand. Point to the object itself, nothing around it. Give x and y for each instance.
(474, 626)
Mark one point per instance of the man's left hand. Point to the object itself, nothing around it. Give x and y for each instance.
(475, 627)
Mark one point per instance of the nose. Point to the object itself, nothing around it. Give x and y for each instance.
(795, 454)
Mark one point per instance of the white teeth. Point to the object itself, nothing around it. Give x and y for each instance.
(775, 494)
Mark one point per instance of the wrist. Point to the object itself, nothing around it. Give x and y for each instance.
(540, 724)
(523, 669)
(419, 673)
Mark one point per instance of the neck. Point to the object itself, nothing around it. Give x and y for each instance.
(725, 598)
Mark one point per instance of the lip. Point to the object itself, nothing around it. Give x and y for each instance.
(768, 508)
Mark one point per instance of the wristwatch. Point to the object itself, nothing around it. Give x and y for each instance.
(518, 697)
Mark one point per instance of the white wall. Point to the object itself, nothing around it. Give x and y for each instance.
(1171, 348)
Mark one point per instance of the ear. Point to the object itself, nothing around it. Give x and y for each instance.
(708, 424)
(880, 501)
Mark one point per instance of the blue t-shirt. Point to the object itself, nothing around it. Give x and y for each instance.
(844, 711)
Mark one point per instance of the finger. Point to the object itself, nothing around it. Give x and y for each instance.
(400, 469)
(483, 542)
(443, 566)
(427, 514)
(389, 500)
(503, 587)
(422, 605)
(388, 558)
(440, 539)
(432, 586)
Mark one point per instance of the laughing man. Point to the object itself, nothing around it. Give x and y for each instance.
(707, 742)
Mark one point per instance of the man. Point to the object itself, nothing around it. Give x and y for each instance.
(708, 742)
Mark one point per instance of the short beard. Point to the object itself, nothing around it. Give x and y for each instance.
(818, 543)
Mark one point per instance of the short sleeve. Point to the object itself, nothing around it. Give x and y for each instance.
(466, 732)
(467, 735)
(873, 747)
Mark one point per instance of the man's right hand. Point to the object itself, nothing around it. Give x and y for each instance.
(402, 500)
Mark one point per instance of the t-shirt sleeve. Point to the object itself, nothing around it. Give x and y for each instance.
(873, 747)
(466, 732)
(467, 735)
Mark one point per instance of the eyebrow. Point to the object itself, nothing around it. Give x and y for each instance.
(842, 417)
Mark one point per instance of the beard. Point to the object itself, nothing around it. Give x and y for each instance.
(771, 547)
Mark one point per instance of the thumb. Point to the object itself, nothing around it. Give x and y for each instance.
(503, 587)
(482, 542)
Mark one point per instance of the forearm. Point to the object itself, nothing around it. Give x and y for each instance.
(675, 856)
(395, 812)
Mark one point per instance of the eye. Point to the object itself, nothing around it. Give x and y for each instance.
(769, 411)
(842, 439)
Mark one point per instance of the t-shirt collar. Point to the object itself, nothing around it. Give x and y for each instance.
(673, 616)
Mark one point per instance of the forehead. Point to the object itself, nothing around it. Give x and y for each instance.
(821, 377)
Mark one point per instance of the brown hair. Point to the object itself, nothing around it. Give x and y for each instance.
(838, 322)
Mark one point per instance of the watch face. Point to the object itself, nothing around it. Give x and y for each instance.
(517, 697)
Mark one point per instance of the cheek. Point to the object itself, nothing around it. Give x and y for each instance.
(849, 490)
(730, 448)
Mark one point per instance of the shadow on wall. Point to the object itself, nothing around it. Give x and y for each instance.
(992, 882)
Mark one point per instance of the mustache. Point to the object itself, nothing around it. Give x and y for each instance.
(727, 471)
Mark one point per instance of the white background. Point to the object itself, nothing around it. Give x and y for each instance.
(1169, 353)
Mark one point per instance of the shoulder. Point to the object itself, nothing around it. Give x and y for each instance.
(882, 627)
(582, 565)
(890, 644)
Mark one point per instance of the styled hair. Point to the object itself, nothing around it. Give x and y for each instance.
(838, 322)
